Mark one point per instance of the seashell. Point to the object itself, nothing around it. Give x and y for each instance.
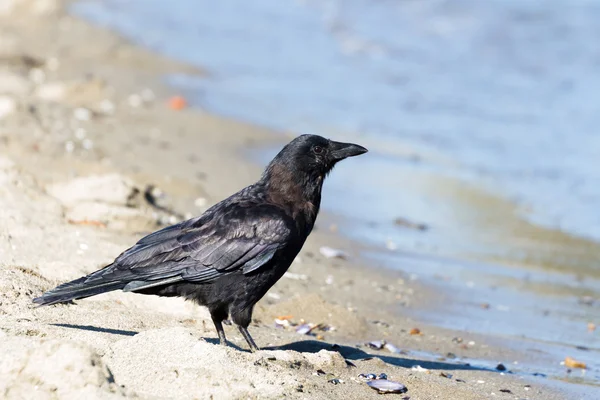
(385, 386)
(376, 344)
(329, 252)
(368, 376)
(304, 329)
(391, 348)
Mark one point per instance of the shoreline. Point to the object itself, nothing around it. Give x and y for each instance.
(118, 141)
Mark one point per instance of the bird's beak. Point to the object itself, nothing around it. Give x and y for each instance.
(339, 151)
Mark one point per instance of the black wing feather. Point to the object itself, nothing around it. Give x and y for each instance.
(238, 238)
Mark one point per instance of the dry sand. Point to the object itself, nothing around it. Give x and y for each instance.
(84, 130)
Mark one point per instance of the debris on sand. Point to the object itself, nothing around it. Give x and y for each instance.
(385, 386)
(415, 331)
(97, 224)
(376, 344)
(177, 103)
(392, 349)
(305, 329)
(329, 252)
(155, 197)
(500, 367)
(382, 344)
(283, 321)
(409, 224)
(369, 376)
(82, 114)
(296, 277)
(586, 301)
(7, 106)
(335, 381)
(572, 363)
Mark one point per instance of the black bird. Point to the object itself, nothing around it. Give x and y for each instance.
(230, 256)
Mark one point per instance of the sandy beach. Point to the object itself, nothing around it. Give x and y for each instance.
(92, 158)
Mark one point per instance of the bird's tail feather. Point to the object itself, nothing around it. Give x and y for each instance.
(77, 289)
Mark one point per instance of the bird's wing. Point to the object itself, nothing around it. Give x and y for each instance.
(237, 237)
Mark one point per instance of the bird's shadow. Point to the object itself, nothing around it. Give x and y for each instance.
(98, 329)
(229, 344)
(314, 346)
(122, 332)
(355, 354)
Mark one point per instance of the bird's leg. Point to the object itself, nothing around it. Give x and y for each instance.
(242, 316)
(246, 335)
(218, 316)
(220, 332)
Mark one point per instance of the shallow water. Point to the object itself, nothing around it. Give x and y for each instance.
(481, 120)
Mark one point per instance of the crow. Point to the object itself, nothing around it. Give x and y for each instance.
(229, 257)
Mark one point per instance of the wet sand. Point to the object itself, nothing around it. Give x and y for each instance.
(89, 103)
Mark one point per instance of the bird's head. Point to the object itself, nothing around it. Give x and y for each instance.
(294, 178)
(315, 155)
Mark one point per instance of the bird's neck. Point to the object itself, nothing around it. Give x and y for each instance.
(297, 192)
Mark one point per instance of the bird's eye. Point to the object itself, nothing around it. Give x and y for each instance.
(317, 149)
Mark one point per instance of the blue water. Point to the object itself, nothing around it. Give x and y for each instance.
(460, 102)
(508, 89)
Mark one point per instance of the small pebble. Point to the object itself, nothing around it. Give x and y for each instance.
(87, 144)
(200, 202)
(134, 100)
(297, 277)
(80, 133)
(69, 146)
(82, 114)
(329, 252)
(7, 106)
(107, 106)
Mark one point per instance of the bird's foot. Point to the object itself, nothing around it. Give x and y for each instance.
(244, 331)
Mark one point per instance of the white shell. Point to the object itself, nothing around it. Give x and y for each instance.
(385, 386)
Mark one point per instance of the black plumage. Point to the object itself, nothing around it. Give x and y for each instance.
(227, 258)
